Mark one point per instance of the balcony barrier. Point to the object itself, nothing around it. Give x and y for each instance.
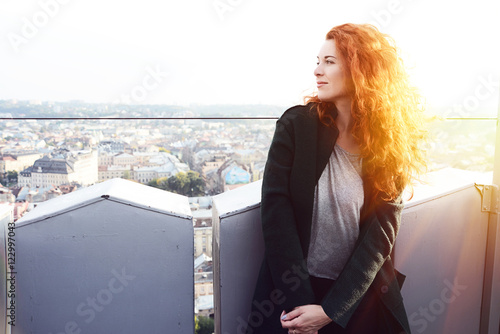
(117, 257)
(238, 250)
(440, 247)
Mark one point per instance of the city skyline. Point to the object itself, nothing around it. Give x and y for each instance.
(235, 52)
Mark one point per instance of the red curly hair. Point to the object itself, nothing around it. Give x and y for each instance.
(387, 111)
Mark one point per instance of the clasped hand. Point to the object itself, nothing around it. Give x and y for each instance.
(306, 319)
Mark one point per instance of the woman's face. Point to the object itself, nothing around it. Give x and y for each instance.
(330, 77)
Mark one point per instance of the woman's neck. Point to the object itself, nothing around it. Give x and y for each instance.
(344, 120)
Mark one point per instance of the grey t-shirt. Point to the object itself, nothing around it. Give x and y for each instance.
(338, 200)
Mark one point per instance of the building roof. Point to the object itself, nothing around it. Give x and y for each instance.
(146, 169)
(204, 302)
(206, 276)
(24, 153)
(27, 172)
(244, 152)
(202, 201)
(53, 166)
(123, 155)
(67, 188)
(16, 191)
(200, 214)
(25, 191)
(201, 259)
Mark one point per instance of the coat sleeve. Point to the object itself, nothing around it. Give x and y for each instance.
(374, 245)
(283, 250)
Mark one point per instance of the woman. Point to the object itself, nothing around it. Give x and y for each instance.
(331, 195)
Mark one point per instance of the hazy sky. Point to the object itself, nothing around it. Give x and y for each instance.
(235, 51)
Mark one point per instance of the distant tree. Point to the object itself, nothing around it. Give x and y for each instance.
(204, 325)
(196, 324)
(126, 175)
(175, 183)
(188, 184)
(153, 183)
(12, 176)
(160, 183)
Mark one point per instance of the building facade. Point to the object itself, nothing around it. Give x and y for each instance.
(112, 172)
(18, 161)
(203, 240)
(79, 168)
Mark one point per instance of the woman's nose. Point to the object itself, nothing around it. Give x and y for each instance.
(318, 71)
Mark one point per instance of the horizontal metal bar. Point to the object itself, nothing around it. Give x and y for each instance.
(130, 118)
(197, 118)
(470, 118)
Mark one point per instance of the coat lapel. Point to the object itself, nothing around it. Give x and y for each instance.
(327, 136)
(317, 145)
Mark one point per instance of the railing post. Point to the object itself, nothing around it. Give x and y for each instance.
(490, 310)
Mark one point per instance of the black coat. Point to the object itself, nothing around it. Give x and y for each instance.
(299, 152)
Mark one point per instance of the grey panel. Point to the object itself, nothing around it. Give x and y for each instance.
(242, 250)
(5, 219)
(441, 248)
(107, 267)
(238, 250)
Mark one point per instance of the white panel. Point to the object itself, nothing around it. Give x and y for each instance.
(239, 199)
(118, 189)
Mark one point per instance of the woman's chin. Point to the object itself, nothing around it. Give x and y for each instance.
(324, 99)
